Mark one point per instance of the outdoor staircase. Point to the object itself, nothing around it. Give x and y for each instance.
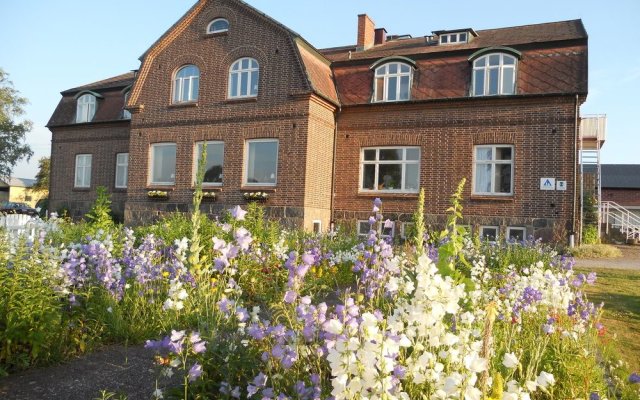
(613, 215)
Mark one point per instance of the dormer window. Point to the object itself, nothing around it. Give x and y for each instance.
(393, 82)
(454, 38)
(494, 74)
(125, 113)
(86, 108)
(218, 25)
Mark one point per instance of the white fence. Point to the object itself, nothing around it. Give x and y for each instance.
(19, 224)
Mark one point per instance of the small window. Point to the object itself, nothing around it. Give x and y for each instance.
(186, 84)
(393, 82)
(489, 233)
(517, 234)
(83, 171)
(384, 230)
(243, 78)
(163, 164)
(493, 170)
(214, 163)
(125, 113)
(406, 230)
(453, 38)
(122, 170)
(261, 162)
(317, 227)
(86, 108)
(494, 74)
(394, 169)
(218, 25)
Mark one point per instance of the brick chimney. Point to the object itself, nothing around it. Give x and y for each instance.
(380, 36)
(366, 32)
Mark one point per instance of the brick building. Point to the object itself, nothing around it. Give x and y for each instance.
(621, 184)
(324, 131)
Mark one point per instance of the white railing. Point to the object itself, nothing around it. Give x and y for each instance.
(18, 224)
(614, 215)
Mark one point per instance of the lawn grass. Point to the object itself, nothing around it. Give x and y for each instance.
(620, 292)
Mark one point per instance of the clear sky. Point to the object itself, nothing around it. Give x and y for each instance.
(52, 45)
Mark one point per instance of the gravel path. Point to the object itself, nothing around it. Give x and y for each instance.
(630, 260)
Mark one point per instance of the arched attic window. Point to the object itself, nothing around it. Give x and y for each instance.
(392, 80)
(218, 25)
(243, 78)
(186, 84)
(494, 72)
(85, 107)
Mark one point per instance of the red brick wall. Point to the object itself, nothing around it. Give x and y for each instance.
(103, 142)
(540, 129)
(624, 197)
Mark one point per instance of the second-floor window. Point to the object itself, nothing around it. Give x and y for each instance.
(493, 170)
(393, 82)
(243, 78)
(494, 74)
(86, 108)
(394, 169)
(186, 84)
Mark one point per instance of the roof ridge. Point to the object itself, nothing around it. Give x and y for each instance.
(113, 79)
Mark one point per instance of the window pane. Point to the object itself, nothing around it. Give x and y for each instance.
(405, 69)
(381, 70)
(508, 60)
(393, 68)
(483, 178)
(370, 155)
(404, 88)
(489, 233)
(516, 234)
(368, 176)
(494, 59)
(481, 62)
(195, 89)
(503, 178)
(390, 154)
(390, 176)
(234, 85)
(479, 82)
(411, 177)
(379, 89)
(164, 164)
(463, 37)
(254, 83)
(263, 162)
(392, 87)
(244, 63)
(413, 154)
(363, 227)
(508, 81)
(493, 81)
(244, 80)
(484, 153)
(214, 162)
(454, 38)
(503, 153)
(444, 39)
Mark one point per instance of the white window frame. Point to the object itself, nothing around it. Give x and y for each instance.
(484, 237)
(192, 83)
(196, 159)
(86, 108)
(246, 72)
(487, 73)
(404, 162)
(380, 229)
(317, 223)
(246, 163)
(404, 227)
(82, 177)
(211, 29)
(454, 38)
(517, 228)
(151, 163)
(122, 163)
(493, 162)
(382, 72)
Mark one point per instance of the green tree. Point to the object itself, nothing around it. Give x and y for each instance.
(42, 177)
(12, 133)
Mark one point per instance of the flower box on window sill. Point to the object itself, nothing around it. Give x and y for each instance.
(255, 196)
(158, 194)
(208, 196)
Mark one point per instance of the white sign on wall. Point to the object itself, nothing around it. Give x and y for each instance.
(561, 185)
(547, 183)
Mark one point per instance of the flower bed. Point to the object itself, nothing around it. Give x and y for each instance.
(158, 194)
(255, 196)
(250, 316)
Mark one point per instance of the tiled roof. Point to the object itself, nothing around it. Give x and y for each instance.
(119, 81)
(512, 36)
(109, 107)
(318, 72)
(620, 176)
(18, 182)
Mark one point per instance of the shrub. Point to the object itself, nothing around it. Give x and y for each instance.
(595, 251)
(590, 235)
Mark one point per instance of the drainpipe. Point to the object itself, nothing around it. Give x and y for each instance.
(333, 170)
(575, 175)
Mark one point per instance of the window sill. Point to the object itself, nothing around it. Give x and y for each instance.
(241, 100)
(186, 104)
(81, 189)
(119, 190)
(506, 199)
(209, 188)
(258, 189)
(397, 195)
(161, 187)
(215, 34)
